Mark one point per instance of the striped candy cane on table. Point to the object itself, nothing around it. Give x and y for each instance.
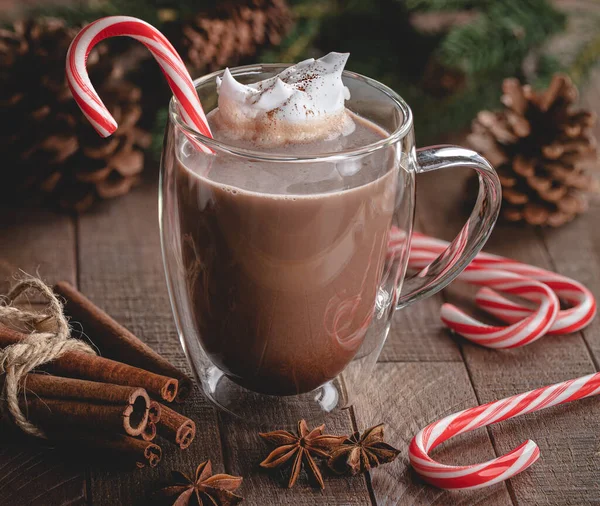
(501, 468)
(495, 274)
(170, 62)
(583, 305)
(520, 333)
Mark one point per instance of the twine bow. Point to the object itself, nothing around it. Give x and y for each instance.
(49, 339)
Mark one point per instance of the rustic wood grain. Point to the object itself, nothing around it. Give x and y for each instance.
(42, 242)
(121, 271)
(416, 335)
(37, 242)
(407, 397)
(420, 380)
(568, 470)
(33, 473)
(575, 249)
(244, 450)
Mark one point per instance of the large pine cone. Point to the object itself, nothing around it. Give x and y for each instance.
(229, 34)
(540, 147)
(47, 145)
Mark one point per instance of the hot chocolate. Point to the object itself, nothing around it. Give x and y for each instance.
(283, 263)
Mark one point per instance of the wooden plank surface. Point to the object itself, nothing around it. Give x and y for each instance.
(121, 271)
(569, 468)
(424, 372)
(407, 397)
(416, 335)
(38, 242)
(244, 450)
(575, 250)
(42, 242)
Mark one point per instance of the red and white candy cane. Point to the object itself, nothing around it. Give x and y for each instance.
(494, 273)
(524, 331)
(501, 468)
(170, 62)
(581, 300)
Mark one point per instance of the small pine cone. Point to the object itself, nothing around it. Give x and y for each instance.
(51, 149)
(541, 149)
(229, 34)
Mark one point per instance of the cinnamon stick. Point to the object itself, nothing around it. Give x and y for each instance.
(154, 413)
(52, 401)
(150, 432)
(115, 341)
(81, 365)
(176, 428)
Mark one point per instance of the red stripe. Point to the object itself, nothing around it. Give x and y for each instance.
(185, 103)
(499, 305)
(91, 112)
(564, 285)
(471, 331)
(510, 331)
(494, 468)
(578, 324)
(539, 331)
(586, 389)
(135, 29)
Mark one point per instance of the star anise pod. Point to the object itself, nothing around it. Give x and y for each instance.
(357, 454)
(303, 448)
(205, 490)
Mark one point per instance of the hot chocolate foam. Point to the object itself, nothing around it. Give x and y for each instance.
(303, 103)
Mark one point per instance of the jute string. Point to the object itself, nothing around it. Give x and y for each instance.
(49, 338)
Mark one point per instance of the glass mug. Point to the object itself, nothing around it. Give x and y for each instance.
(283, 302)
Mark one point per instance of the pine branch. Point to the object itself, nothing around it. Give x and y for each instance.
(500, 37)
(299, 44)
(149, 11)
(436, 117)
(547, 66)
(587, 59)
(574, 51)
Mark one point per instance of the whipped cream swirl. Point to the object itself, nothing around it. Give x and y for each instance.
(303, 103)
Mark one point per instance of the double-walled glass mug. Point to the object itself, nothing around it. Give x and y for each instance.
(283, 300)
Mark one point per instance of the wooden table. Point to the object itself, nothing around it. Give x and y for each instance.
(112, 254)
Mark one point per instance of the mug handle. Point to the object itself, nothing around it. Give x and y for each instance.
(442, 271)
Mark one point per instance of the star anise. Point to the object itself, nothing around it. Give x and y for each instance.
(302, 448)
(205, 490)
(357, 454)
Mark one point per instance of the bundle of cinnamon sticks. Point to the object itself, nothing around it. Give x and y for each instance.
(117, 401)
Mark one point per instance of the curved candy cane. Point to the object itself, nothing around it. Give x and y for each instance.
(525, 329)
(520, 333)
(425, 249)
(170, 62)
(501, 468)
(581, 300)
(494, 274)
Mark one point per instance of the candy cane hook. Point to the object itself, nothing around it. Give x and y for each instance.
(501, 468)
(523, 331)
(485, 270)
(170, 62)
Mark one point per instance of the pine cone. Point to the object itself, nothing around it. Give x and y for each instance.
(230, 33)
(47, 144)
(540, 147)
